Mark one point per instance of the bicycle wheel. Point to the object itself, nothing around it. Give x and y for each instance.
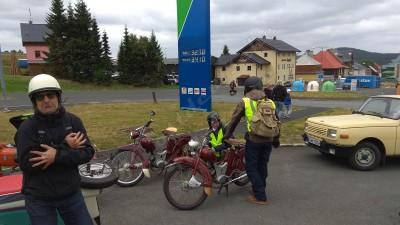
(182, 190)
(129, 168)
(96, 175)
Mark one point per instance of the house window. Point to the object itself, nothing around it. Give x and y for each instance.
(279, 66)
(37, 54)
(265, 54)
(283, 66)
(223, 68)
(237, 68)
(249, 68)
(260, 67)
(223, 79)
(288, 65)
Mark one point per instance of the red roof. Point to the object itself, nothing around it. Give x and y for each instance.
(328, 60)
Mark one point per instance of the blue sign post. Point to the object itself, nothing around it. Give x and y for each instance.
(194, 54)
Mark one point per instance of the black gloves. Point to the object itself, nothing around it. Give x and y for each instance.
(275, 142)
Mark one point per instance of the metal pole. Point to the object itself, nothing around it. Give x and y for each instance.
(3, 82)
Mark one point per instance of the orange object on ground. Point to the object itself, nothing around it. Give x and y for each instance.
(7, 155)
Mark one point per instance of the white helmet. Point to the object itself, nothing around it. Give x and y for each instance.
(43, 82)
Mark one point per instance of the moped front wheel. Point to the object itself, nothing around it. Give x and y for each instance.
(129, 167)
(183, 190)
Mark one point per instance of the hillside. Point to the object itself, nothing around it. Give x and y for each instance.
(361, 55)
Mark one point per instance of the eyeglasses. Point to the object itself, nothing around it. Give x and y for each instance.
(40, 97)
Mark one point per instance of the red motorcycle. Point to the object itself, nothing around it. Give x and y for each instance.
(136, 160)
(191, 181)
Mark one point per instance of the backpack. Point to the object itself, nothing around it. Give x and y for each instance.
(264, 122)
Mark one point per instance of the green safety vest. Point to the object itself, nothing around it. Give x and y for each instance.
(215, 141)
(250, 106)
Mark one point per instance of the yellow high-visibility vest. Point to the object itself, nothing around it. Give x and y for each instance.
(215, 141)
(250, 106)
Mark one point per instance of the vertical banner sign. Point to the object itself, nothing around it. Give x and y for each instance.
(194, 54)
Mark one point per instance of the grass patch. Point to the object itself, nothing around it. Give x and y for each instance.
(18, 83)
(292, 131)
(105, 122)
(339, 95)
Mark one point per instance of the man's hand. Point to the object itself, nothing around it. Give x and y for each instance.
(75, 140)
(45, 158)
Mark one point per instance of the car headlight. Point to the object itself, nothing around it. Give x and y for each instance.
(331, 133)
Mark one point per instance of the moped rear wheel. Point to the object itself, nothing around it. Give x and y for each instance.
(129, 167)
(181, 193)
(240, 182)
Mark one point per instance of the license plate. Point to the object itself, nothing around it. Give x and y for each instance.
(314, 141)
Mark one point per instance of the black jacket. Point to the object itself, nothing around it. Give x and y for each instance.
(279, 93)
(61, 178)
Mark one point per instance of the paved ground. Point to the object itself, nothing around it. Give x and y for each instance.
(220, 94)
(303, 187)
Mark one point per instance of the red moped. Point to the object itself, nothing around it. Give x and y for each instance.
(136, 160)
(191, 181)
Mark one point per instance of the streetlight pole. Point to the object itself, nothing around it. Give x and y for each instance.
(3, 82)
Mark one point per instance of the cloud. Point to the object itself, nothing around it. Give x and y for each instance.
(366, 24)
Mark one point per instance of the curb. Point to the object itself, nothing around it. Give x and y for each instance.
(293, 145)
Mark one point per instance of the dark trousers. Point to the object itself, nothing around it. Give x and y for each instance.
(72, 210)
(257, 157)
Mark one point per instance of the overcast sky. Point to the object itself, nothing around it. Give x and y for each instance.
(305, 24)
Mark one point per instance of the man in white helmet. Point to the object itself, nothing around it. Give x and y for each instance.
(50, 146)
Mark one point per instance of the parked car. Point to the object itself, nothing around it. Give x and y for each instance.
(346, 86)
(170, 79)
(366, 137)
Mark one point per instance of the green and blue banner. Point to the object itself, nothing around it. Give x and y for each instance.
(194, 54)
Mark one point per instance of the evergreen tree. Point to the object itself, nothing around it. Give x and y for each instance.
(96, 45)
(154, 62)
(71, 35)
(225, 51)
(57, 38)
(103, 75)
(124, 55)
(82, 43)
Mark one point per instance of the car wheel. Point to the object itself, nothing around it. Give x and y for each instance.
(365, 156)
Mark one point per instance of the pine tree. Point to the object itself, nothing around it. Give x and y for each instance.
(225, 51)
(83, 69)
(155, 66)
(57, 38)
(71, 35)
(124, 55)
(103, 74)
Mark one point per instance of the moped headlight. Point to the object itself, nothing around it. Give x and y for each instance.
(332, 133)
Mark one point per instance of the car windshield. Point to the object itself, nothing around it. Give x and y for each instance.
(382, 107)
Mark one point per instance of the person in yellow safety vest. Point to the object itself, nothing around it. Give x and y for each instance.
(258, 149)
(217, 130)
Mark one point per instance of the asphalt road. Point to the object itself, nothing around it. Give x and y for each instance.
(303, 187)
(220, 94)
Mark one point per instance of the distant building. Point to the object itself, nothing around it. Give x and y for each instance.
(307, 68)
(33, 39)
(391, 70)
(331, 65)
(347, 58)
(269, 59)
(171, 65)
